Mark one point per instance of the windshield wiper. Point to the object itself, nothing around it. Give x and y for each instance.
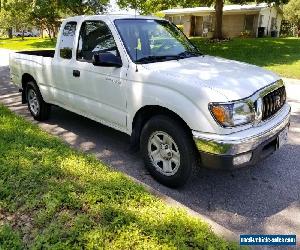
(186, 54)
(182, 55)
(149, 59)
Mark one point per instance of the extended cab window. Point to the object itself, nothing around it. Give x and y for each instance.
(95, 37)
(67, 40)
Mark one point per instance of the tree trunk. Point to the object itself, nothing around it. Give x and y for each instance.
(10, 33)
(219, 19)
(49, 32)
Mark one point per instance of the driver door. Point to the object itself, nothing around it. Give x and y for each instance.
(99, 91)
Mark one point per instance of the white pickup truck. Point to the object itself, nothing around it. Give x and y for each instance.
(142, 76)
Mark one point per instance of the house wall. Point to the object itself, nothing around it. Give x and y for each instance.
(176, 19)
(267, 14)
(279, 20)
(233, 25)
(187, 27)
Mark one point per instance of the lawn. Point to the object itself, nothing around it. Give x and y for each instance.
(54, 197)
(281, 55)
(29, 43)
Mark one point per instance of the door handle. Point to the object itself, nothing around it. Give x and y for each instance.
(76, 73)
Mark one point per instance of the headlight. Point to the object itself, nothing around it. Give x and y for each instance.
(233, 114)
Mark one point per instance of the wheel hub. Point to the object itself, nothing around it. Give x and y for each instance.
(165, 152)
(33, 102)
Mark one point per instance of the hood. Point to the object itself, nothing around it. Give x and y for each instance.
(235, 80)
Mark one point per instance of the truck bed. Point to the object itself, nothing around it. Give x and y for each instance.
(37, 64)
(43, 53)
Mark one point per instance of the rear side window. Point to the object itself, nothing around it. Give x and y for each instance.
(67, 40)
(95, 37)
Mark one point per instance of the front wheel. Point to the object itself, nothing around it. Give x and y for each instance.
(38, 108)
(168, 150)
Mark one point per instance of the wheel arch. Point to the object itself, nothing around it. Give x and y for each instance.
(26, 78)
(144, 114)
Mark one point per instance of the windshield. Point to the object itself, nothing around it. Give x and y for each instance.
(149, 40)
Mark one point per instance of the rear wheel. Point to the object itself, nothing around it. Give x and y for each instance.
(168, 150)
(39, 109)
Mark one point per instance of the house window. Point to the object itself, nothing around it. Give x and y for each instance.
(249, 21)
(207, 24)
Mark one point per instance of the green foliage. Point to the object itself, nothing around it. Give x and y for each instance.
(59, 198)
(181, 27)
(246, 34)
(292, 12)
(286, 28)
(15, 13)
(45, 14)
(9, 239)
(154, 6)
(79, 7)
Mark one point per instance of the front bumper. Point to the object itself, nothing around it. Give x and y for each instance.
(258, 142)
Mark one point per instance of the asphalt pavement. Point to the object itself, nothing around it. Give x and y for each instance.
(260, 199)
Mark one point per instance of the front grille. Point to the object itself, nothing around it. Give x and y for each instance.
(273, 102)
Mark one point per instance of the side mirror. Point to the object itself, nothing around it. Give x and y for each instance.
(107, 59)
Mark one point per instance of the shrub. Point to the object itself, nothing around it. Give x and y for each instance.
(181, 27)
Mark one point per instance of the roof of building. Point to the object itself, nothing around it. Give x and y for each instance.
(229, 8)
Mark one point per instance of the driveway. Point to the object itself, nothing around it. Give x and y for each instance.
(261, 199)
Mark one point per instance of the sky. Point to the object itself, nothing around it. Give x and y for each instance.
(114, 6)
(115, 9)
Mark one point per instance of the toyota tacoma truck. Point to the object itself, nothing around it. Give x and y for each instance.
(142, 76)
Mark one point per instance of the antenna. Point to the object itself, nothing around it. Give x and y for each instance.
(136, 55)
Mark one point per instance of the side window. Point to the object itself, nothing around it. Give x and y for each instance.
(95, 37)
(67, 40)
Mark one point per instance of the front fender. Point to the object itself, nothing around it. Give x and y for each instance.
(147, 94)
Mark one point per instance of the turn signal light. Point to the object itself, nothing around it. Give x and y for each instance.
(219, 113)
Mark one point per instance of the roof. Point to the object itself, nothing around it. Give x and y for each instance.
(229, 8)
(110, 17)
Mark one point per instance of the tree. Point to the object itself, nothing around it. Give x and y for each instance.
(153, 6)
(83, 7)
(5, 22)
(46, 15)
(292, 13)
(14, 13)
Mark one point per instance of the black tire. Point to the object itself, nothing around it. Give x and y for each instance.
(183, 142)
(43, 112)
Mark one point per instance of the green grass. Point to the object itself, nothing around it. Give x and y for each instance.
(54, 197)
(29, 43)
(281, 55)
